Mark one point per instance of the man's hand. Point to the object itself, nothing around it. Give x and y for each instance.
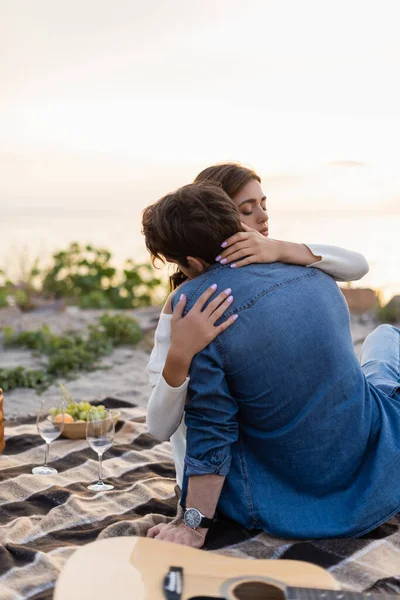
(179, 534)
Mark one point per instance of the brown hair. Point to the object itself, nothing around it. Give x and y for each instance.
(230, 176)
(192, 221)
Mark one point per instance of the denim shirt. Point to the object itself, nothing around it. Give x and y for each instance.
(279, 405)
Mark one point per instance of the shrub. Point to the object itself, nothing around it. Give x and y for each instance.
(68, 353)
(121, 329)
(20, 377)
(95, 299)
(86, 275)
(3, 298)
(40, 340)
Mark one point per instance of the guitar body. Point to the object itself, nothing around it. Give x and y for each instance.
(133, 568)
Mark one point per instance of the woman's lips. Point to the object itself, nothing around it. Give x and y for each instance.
(264, 232)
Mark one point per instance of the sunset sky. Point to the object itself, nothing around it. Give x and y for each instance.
(124, 99)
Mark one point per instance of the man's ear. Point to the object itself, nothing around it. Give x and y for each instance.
(196, 265)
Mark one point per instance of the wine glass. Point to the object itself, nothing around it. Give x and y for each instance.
(50, 425)
(100, 431)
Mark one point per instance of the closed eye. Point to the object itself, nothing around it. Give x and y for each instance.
(252, 202)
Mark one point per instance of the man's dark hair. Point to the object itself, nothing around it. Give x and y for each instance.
(192, 221)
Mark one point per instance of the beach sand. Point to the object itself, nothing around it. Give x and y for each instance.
(123, 373)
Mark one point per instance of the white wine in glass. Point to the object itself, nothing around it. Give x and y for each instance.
(50, 425)
(100, 432)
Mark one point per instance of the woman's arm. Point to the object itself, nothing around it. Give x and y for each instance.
(341, 264)
(177, 340)
(166, 404)
(250, 246)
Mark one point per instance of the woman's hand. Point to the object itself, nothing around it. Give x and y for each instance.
(250, 244)
(193, 332)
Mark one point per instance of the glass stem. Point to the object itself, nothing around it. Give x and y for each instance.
(100, 465)
(46, 455)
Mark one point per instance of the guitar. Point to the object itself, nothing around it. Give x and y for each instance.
(138, 568)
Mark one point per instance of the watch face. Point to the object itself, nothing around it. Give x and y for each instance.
(192, 518)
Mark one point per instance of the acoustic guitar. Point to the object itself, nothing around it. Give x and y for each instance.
(134, 568)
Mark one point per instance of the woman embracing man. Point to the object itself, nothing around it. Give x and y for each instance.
(274, 422)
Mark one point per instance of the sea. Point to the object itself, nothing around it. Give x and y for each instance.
(30, 233)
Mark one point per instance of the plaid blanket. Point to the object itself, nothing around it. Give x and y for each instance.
(43, 519)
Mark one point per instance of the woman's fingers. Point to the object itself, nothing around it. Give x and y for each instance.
(227, 323)
(238, 237)
(222, 258)
(246, 227)
(216, 302)
(219, 311)
(200, 302)
(240, 253)
(179, 308)
(245, 261)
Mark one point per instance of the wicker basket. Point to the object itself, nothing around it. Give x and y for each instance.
(2, 440)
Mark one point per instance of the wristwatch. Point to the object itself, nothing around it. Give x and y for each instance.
(193, 518)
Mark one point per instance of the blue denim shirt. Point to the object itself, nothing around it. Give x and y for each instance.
(278, 404)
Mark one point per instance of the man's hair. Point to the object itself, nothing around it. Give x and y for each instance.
(232, 177)
(192, 221)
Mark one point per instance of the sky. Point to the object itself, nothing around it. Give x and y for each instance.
(122, 100)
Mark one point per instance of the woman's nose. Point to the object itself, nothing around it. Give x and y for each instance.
(263, 216)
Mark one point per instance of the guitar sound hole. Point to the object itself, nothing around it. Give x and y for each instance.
(257, 590)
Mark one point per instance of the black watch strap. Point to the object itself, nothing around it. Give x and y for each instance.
(206, 522)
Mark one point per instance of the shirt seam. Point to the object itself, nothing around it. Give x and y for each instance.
(251, 303)
(249, 498)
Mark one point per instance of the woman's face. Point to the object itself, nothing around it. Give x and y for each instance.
(251, 202)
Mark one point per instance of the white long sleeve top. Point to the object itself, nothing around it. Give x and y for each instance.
(166, 405)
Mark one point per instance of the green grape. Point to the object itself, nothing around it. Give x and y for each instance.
(82, 415)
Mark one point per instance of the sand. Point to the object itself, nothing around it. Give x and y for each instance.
(123, 374)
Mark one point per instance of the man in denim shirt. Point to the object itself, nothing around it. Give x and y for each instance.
(286, 432)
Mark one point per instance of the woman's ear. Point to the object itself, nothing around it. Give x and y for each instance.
(196, 265)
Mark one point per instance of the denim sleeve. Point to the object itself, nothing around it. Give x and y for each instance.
(210, 416)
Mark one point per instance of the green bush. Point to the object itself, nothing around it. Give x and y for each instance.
(20, 377)
(69, 353)
(3, 298)
(40, 340)
(21, 294)
(75, 358)
(98, 341)
(22, 299)
(19, 297)
(86, 275)
(96, 299)
(121, 329)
